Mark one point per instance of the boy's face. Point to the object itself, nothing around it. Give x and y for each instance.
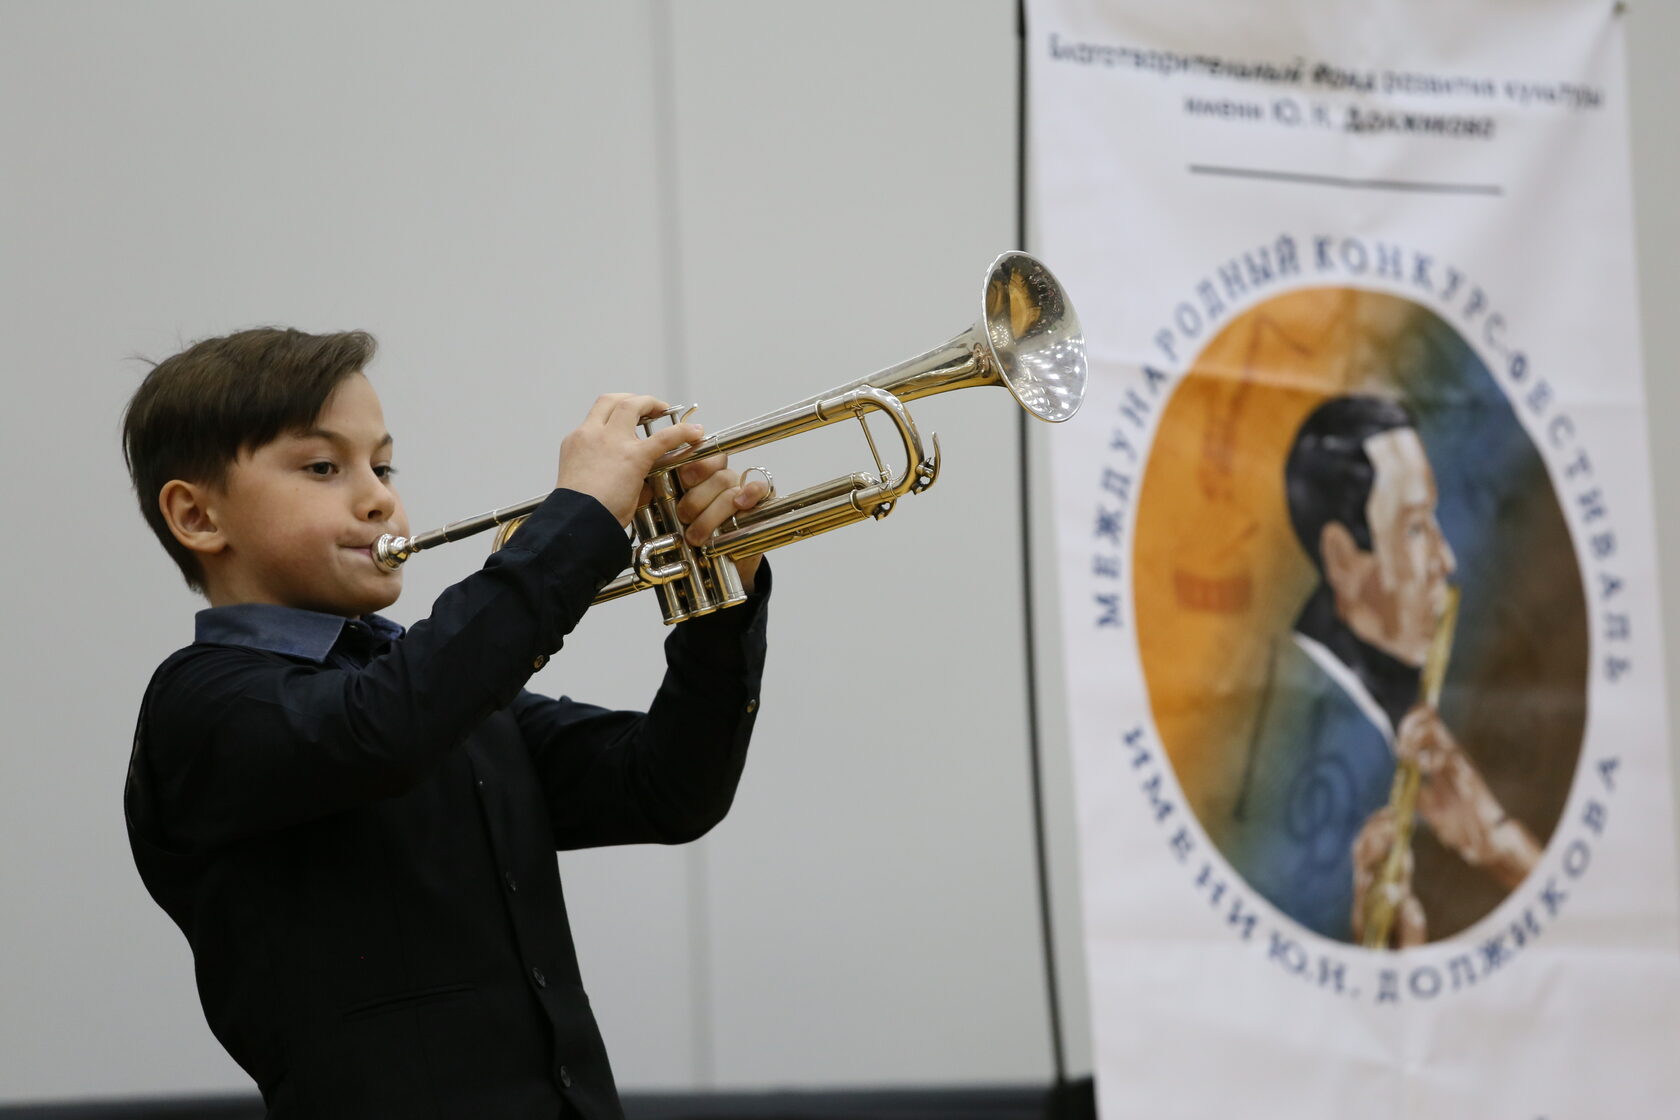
(299, 516)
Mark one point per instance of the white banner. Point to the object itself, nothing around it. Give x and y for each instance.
(1357, 562)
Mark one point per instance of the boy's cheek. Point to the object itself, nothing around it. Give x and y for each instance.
(399, 519)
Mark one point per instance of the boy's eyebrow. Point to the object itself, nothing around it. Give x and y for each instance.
(335, 437)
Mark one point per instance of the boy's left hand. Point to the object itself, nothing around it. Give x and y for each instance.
(712, 494)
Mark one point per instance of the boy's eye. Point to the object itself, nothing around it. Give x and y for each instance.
(321, 468)
(385, 471)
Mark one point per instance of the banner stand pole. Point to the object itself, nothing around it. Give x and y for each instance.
(1065, 1101)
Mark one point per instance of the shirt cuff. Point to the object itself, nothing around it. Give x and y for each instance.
(577, 528)
(729, 644)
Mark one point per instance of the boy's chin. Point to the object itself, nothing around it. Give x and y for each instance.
(379, 602)
(371, 600)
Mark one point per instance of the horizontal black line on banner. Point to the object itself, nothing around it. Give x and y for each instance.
(1353, 184)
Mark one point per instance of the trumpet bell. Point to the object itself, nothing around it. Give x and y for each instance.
(1034, 337)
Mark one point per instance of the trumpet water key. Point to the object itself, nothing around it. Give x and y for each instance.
(1027, 339)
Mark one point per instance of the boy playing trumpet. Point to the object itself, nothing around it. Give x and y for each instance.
(355, 826)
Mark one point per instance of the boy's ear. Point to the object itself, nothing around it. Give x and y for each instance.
(187, 511)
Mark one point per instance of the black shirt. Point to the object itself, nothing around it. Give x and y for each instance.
(355, 828)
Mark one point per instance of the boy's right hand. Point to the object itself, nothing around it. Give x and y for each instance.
(608, 458)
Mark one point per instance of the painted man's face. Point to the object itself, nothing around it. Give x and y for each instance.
(1392, 596)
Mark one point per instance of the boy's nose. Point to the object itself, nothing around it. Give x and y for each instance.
(376, 500)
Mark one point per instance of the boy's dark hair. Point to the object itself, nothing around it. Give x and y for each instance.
(1328, 476)
(197, 412)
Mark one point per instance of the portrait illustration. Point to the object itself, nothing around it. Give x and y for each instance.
(1360, 617)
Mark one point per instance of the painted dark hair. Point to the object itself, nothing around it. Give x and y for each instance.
(1328, 476)
(198, 411)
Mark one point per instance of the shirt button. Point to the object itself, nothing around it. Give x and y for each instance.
(565, 1078)
(752, 706)
(539, 662)
(513, 884)
(541, 980)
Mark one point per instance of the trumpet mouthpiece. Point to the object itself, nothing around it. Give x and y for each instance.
(389, 552)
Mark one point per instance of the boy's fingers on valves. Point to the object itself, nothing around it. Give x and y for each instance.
(606, 456)
(623, 408)
(663, 441)
(713, 501)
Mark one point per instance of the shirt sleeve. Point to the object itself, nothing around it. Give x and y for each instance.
(669, 775)
(237, 742)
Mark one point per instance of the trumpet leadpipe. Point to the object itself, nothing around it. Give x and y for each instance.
(390, 551)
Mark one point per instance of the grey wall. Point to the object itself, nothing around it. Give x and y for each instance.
(733, 202)
(1653, 34)
(532, 203)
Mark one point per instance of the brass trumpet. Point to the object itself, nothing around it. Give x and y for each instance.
(1027, 339)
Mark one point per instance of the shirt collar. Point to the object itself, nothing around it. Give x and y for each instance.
(288, 630)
